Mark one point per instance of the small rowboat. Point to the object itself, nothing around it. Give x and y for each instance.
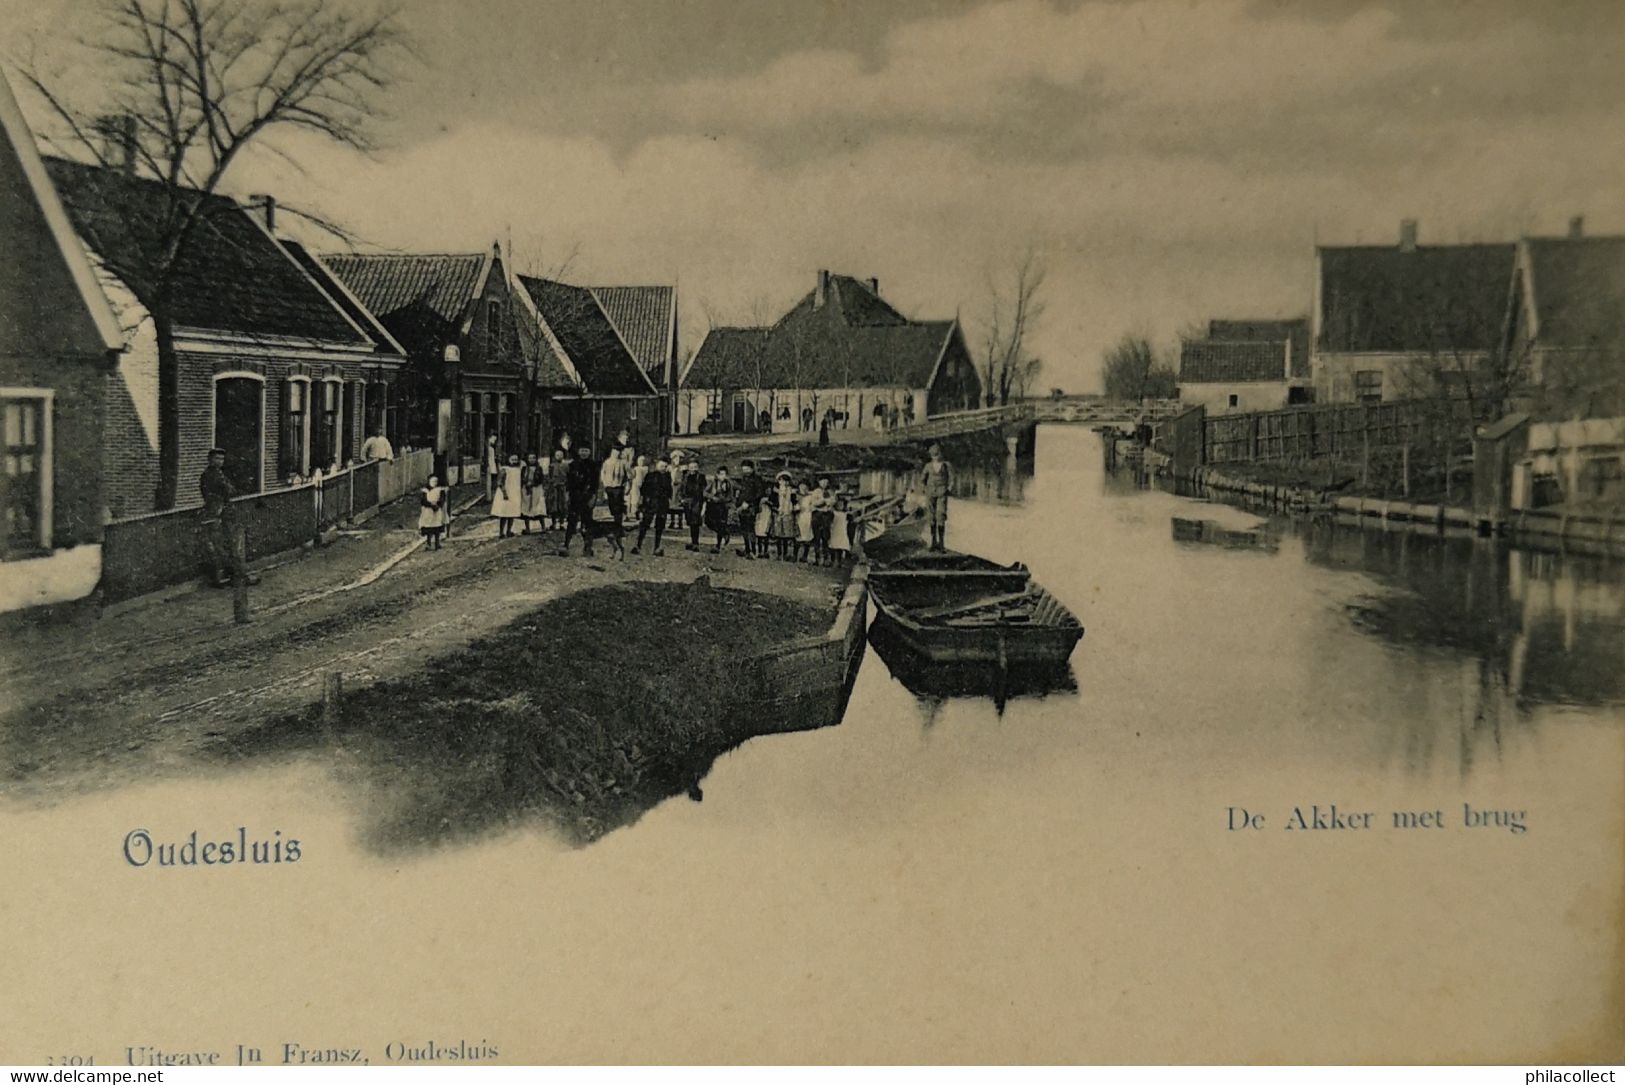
(981, 614)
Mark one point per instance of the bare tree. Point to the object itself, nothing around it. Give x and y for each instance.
(1131, 372)
(192, 83)
(537, 263)
(1014, 309)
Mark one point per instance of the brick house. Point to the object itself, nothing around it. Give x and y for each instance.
(1247, 365)
(1566, 322)
(59, 340)
(1239, 375)
(271, 366)
(597, 385)
(453, 402)
(1390, 320)
(841, 354)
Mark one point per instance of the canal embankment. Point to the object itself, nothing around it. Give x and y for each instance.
(1590, 530)
(583, 712)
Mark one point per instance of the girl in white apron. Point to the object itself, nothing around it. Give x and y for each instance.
(533, 493)
(433, 515)
(505, 501)
(804, 517)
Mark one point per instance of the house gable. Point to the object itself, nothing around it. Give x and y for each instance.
(45, 262)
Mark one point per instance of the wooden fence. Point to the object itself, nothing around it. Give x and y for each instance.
(1346, 431)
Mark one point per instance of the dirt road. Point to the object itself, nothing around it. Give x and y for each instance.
(142, 692)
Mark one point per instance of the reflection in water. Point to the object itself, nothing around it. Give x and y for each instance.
(1001, 481)
(1475, 638)
(1543, 628)
(943, 681)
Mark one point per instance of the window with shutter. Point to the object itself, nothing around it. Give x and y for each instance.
(295, 426)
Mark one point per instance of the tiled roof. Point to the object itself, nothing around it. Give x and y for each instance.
(1578, 285)
(381, 339)
(849, 339)
(820, 356)
(592, 346)
(851, 301)
(1430, 298)
(1226, 361)
(388, 282)
(231, 278)
(643, 315)
(727, 358)
(1295, 329)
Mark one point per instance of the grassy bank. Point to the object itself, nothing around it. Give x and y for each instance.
(584, 713)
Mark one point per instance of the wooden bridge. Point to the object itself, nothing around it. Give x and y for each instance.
(1013, 415)
(1011, 418)
(1091, 411)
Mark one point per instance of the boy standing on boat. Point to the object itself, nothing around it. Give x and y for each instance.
(937, 478)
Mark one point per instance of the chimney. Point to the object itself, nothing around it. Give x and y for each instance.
(822, 293)
(1577, 227)
(1407, 235)
(266, 204)
(874, 287)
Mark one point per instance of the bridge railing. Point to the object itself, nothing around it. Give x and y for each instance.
(1105, 410)
(981, 418)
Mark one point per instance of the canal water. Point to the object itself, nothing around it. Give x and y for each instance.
(1063, 877)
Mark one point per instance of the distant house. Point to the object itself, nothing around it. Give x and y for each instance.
(1239, 365)
(1391, 321)
(272, 365)
(454, 401)
(59, 343)
(841, 354)
(597, 385)
(1566, 322)
(1235, 375)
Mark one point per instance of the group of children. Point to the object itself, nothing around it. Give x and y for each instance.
(801, 522)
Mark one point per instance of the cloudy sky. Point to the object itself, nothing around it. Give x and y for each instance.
(1172, 161)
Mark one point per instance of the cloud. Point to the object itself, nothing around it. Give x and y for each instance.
(1175, 161)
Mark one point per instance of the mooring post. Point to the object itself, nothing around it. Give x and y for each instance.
(332, 689)
(239, 574)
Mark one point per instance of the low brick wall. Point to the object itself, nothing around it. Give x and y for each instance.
(160, 550)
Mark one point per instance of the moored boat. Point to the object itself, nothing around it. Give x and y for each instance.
(978, 612)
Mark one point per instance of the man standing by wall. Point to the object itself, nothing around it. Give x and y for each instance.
(377, 447)
(224, 539)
